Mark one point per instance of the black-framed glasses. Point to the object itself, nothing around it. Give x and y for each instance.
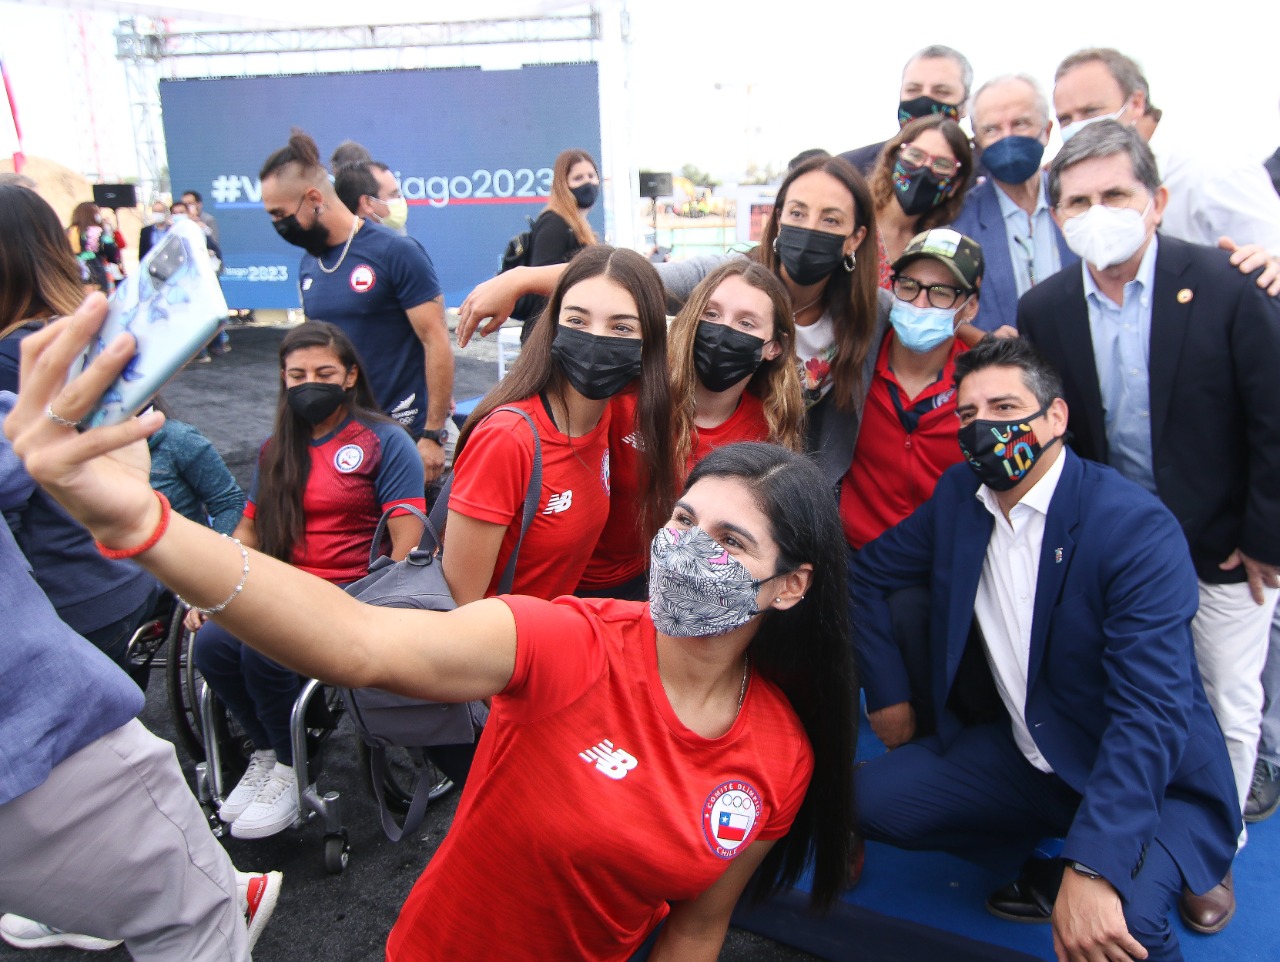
(942, 296)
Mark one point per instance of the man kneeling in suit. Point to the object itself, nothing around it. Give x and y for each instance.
(1076, 588)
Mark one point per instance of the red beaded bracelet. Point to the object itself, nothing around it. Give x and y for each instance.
(120, 554)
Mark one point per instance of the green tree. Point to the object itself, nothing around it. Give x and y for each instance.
(698, 177)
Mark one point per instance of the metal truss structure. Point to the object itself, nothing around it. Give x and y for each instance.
(146, 48)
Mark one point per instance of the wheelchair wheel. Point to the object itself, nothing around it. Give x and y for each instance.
(402, 775)
(183, 684)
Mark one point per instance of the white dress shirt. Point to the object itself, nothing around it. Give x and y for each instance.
(1215, 195)
(1006, 598)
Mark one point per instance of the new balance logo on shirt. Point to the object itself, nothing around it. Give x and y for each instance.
(559, 502)
(608, 760)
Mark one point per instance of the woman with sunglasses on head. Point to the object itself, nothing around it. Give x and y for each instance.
(712, 727)
(603, 331)
(919, 182)
(733, 378)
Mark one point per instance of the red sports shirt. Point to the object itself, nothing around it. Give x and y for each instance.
(894, 472)
(621, 553)
(489, 484)
(590, 805)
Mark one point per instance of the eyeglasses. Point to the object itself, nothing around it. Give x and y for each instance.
(913, 156)
(941, 296)
(1117, 198)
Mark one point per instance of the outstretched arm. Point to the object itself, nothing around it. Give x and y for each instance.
(101, 477)
(494, 300)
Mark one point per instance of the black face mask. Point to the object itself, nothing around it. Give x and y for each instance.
(808, 255)
(585, 194)
(314, 239)
(315, 400)
(1002, 452)
(918, 189)
(723, 356)
(597, 367)
(909, 110)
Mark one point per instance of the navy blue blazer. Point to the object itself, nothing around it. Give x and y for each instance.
(982, 220)
(1114, 698)
(1215, 413)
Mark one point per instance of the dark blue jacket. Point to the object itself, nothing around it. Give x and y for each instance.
(1114, 698)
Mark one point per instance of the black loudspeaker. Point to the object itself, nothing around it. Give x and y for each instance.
(655, 185)
(115, 196)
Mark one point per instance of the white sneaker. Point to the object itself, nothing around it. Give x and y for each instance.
(258, 895)
(273, 809)
(25, 934)
(255, 776)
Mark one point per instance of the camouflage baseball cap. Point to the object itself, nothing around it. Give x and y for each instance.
(962, 255)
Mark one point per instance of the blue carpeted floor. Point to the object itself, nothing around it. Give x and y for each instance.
(922, 906)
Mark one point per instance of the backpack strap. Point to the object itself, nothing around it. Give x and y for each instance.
(421, 792)
(440, 510)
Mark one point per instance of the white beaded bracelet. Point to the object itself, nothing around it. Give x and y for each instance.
(244, 576)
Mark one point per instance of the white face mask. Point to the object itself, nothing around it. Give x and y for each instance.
(1106, 236)
(1070, 130)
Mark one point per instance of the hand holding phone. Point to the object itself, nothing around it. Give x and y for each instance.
(173, 306)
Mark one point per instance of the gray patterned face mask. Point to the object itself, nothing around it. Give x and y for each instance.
(696, 588)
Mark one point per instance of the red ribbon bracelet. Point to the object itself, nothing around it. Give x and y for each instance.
(121, 554)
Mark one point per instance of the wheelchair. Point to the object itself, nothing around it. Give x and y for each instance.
(222, 752)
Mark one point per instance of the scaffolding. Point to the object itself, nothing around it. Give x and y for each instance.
(148, 48)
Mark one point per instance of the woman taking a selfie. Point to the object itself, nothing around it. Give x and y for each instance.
(718, 717)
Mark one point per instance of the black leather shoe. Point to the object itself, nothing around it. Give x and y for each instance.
(1029, 897)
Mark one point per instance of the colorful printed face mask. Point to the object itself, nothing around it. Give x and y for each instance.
(918, 189)
(924, 106)
(1001, 453)
(696, 588)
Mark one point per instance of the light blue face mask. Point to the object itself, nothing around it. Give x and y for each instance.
(1070, 130)
(921, 329)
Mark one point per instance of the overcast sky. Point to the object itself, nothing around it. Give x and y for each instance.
(713, 91)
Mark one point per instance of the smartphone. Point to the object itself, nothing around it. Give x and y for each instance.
(173, 306)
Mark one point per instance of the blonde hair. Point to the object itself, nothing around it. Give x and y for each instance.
(562, 200)
(776, 383)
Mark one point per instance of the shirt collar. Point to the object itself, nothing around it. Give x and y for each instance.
(1008, 207)
(1145, 279)
(1037, 499)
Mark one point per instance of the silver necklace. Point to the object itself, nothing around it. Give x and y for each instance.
(796, 313)
(742, 692)
(355, 223)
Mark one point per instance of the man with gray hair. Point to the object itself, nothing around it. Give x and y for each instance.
(1008, 214)
(1168, 355)
(1220, 199)
(936, 80)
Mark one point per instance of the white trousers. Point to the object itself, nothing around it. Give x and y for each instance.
(1231, 634)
